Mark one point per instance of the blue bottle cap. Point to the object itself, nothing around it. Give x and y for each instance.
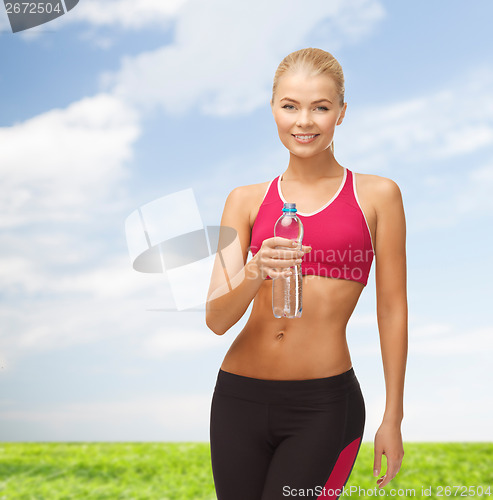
(289, 207)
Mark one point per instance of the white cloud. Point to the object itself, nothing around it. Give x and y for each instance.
(165, 343)
(49, 325)
(57, 165)
(457, 408)
(225, 54)
(64, 166)
(428, 142)
(81, 310)
(475, 195)
(126, 14)
(12, 269)
(478, 340)
(114, 279)
(60, 172)
(131, 15)
(430, 330)
(454, 198)
(359, 320)
(438, 340)
(142, 418)
(102, 15)
(421, 130)
(447, 417)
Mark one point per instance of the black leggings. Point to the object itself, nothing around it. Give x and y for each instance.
(276, 439)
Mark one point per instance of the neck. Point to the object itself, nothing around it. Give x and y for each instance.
(313, 168)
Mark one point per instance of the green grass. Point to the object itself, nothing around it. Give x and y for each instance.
(182, 471)
(432, 465)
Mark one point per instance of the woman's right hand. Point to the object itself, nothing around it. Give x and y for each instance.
(277, 255)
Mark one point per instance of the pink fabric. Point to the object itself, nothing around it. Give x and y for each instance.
(341, 471)
(338, 233)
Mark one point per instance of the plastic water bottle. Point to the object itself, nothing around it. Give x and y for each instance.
(287, 291)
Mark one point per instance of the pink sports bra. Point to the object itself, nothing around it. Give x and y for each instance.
(338, 232)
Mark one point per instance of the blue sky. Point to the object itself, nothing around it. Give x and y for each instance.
(119, 103)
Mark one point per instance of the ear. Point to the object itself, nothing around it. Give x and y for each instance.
(342, 115)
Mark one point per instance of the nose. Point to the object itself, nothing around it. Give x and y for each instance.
(303, 119)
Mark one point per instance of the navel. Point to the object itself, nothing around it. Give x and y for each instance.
(280, 336)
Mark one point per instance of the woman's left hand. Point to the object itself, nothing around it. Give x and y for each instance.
(388, 442)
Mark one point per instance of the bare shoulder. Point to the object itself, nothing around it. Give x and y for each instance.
(249, 197)
(249, 191)
(380, 191)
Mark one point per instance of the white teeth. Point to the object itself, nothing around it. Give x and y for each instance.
(305, 136)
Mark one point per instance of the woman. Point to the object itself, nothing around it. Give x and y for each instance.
(288, 415)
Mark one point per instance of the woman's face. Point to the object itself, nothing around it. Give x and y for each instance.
(304, 106)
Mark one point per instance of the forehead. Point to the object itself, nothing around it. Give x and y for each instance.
(303, 87)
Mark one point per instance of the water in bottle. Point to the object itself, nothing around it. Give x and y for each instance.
(287, 291)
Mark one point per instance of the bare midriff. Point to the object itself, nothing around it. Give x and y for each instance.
(312, 346)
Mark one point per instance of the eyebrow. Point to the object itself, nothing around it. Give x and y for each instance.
(314, 102)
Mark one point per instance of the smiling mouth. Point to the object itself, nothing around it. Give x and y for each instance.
(305, 138)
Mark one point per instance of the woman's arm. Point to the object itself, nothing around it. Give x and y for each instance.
(392, 314)
(233, 284)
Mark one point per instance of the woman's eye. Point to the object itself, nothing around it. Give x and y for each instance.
(290, 106)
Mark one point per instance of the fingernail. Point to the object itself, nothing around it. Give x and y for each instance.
(375, 472)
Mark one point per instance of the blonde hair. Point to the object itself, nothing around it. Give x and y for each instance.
(314, 62)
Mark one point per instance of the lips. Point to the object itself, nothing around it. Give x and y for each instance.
(305, 138)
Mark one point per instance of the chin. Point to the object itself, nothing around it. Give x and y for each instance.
(305, 154)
